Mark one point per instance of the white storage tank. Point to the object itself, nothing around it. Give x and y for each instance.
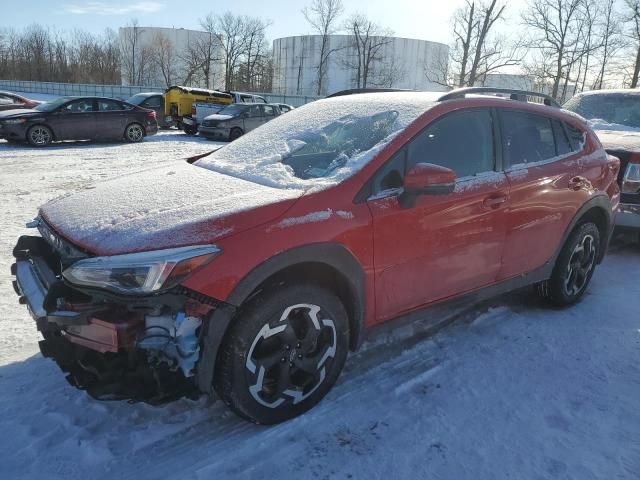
(401, 63)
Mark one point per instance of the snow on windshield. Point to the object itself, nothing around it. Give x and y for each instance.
(600, 124)
(608, 111)
(321, 143)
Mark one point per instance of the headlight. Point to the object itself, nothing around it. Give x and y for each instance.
(13, 121)
(631, 180)
(140, 273)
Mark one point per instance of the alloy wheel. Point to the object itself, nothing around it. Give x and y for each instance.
(581, 262)
(40, 136)
(135, 133)
(288, 361)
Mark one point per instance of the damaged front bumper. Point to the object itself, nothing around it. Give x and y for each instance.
(114, 347)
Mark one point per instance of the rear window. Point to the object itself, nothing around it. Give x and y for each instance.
(526, 138)
(562, 140)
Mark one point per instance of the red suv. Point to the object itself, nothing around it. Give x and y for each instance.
(254, 270)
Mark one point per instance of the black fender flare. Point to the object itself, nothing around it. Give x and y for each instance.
(333, 255)
(600, 201)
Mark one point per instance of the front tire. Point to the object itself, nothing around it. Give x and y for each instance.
(283, 353)
(134, 133)
(39, 136)
(574, 267)
(235, 134)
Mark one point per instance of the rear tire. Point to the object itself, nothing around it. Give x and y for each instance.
(134, 133)
(574, 267)
(39, 136)
(235, 134)
(283, 353)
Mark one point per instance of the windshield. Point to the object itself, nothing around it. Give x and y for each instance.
(52, 104)
(137, 99)
(233, 110)
(321, 143)
(611, 108)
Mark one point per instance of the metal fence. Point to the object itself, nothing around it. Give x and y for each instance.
(120, 91)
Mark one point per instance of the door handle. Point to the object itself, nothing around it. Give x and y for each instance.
(494, 201)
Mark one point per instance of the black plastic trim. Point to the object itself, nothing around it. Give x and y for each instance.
(329, 254)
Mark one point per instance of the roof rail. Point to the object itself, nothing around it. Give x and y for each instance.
(353, 91)
(514, 94)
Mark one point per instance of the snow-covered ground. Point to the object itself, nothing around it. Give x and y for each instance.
(516, 391)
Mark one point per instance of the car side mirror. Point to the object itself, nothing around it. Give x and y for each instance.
(426, 179)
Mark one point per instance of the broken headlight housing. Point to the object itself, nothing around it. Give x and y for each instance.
(140, 273)
(631, 179)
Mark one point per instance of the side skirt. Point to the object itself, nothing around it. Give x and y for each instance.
(430, 319)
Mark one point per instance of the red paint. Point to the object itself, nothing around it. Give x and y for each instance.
(485, 231)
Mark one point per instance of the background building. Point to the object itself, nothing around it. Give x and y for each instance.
(157, 56)
(396, 62)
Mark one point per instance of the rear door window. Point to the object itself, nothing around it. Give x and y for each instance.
(527, 138)
(269, 111)
(576, 137)
(563, 146)
(109, 106)
(461, 141)
(78, 106)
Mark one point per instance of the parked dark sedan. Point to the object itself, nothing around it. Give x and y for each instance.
(153, 101)
(11, 101)
(78, 118)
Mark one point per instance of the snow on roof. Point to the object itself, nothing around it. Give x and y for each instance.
(258, 156)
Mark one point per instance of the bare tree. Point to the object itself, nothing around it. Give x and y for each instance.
(165, 58)
(477, 49)
(610, 39)
(368, 41)
(323, 15)
(207, 49)
(255, 51)
(136, 57)
(230, 31)
(556, 33)
(634, 33)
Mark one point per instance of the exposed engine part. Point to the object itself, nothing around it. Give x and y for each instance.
(172, 339)
(117, 376)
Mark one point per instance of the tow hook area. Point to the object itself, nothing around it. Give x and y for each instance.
(172, 339)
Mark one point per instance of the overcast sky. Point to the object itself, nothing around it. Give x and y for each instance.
(422, 19)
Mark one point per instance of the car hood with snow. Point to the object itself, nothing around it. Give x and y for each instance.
(217, 117)
(619, 140)
(171, 207)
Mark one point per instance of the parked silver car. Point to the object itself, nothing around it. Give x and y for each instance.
(237, 119)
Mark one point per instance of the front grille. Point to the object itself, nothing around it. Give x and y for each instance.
(209, 123)
(67, 252)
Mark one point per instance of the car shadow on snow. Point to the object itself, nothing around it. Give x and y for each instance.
(49, 426)
(43, 413)
(161, 136)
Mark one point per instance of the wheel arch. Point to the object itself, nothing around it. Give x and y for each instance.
(328, 265)
(134, 122)
(41, 124)
(597, 210)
